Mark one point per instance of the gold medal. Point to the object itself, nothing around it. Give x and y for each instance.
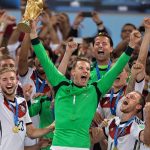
(115, 148)
(15, 129)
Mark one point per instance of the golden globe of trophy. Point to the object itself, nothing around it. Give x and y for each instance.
(32, 11)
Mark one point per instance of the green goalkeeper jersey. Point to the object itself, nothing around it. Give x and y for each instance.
(42, 106)
(75, 106)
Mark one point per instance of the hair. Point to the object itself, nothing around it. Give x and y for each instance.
(128, 24)
(7, 69)
(105, 35)
(80, 59)
(141, 101)
(5, 57)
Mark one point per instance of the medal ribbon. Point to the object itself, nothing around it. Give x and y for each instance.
(15, 112)
(121, 131)
(98, 71)
(41, 88)
(113, 110)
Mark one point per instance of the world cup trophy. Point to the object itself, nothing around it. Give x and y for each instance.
(32, 11)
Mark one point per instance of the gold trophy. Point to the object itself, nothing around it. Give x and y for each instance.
(32, 11)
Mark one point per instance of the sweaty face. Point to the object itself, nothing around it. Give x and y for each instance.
(81, 73)
(102, 48)
(131, 103)
(8, 83)
(7, 63)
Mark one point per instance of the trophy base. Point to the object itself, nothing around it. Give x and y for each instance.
(23, 27)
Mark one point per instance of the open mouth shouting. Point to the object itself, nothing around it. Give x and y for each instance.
(125, 102)
(100, 52)
(84, 78)
(124, 105)
(9, 87)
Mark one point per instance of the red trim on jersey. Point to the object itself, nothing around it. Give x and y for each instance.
(105, 102)
(112, 130)
(22, 109)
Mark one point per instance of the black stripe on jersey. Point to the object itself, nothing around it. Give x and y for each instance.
(28, 123)
(97, 91)
(105, 133)
(56, 88)
(138, 121)
(136, 145)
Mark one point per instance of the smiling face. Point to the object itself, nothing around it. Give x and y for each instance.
(131, 103)
(102, 48)
(81, 73)
(8, 83)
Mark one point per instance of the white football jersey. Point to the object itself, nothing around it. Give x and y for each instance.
(11, 140)
(0, 132)
(105, 104)
(129, 138)
(30, 78)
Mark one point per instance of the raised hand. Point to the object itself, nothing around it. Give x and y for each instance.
(33, 33)
(96, 18)
(135, 38)
(71, 47)
(138, 71)
(147, 24)
(27, 91)
(37, 95)
(7, 19)
(78, 19)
